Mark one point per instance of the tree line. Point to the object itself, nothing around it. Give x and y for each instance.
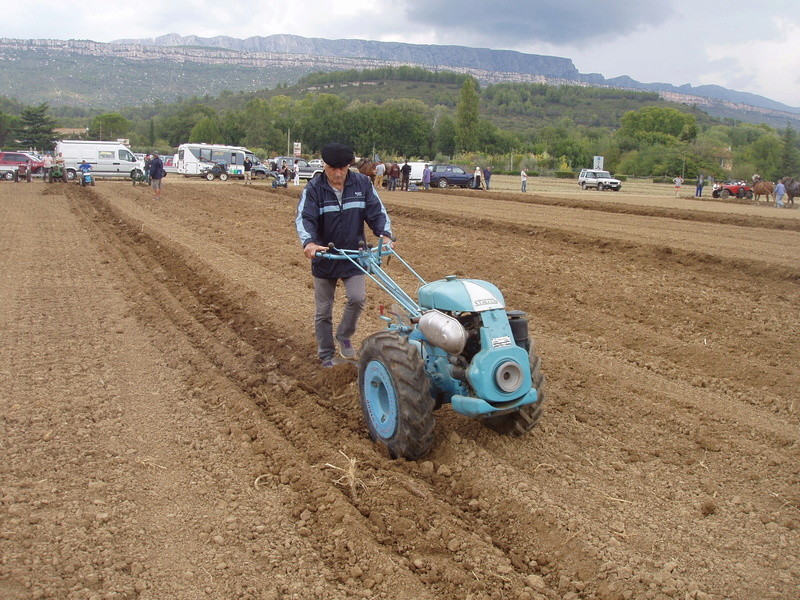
(651, 139)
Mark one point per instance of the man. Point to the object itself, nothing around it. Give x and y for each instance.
(426, 177)
(487, 175)
(394, 174)
(333, 208)
(698, 190)
(380, 170)
(248, 167)
(156, 173)
(405, 175)
(523, 177)
(47, 166)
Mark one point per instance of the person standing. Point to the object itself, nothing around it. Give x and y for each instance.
(487, 175)
(678, 181)
(405, 175)
(248, 166)
(698, 191)
(780, 192)
(523, 177)
(426, 177)
(333, 208)
(296, 172)
(47, 166)
(380, 171)
(476, 178)
(156, 172)
(394, 174)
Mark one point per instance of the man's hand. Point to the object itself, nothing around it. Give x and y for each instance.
(311, 249)
(385, 241)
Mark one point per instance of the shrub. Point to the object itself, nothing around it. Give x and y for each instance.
(565, 174)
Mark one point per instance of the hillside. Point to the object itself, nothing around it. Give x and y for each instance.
(110, 76)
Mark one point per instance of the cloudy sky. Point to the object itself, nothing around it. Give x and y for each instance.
(746, 45)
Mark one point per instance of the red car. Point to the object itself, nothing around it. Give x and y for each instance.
(726, 190)
(15, 159)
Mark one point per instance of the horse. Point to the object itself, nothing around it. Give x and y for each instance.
(792, 190)
(762, 188)
(367, 167)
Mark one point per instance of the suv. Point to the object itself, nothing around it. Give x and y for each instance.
(602, 180)
(307, 171)
(443, 176)
(15, 159)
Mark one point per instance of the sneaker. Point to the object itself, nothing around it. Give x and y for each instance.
(327, 363)
(346, 349)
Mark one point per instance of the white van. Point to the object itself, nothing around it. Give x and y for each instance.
(200, 159)
(108, 159)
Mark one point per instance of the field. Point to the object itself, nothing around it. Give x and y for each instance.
(166, 432)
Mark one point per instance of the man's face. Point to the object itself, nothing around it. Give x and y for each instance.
(335, 175)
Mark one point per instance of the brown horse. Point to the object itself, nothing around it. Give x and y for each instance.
(367, 167)
(762, 188)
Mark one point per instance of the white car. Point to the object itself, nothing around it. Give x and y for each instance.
(316, 162)
(602, 180)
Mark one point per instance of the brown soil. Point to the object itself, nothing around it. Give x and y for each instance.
(166, 433)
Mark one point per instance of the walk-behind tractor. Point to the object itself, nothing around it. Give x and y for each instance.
(456, 344)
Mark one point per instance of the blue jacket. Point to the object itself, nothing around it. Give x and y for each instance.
(156, 168)
(322, 219)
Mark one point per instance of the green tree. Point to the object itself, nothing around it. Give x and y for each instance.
(36, 127)
(8, 124)
(467, 117)
(789, 164)
(206, 131)
(151, 133)
(109, 126)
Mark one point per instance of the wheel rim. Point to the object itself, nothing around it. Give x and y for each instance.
(381, 399)
(442, 183)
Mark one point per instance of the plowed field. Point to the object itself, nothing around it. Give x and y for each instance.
(166, 431)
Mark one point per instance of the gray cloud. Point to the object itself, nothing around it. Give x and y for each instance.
(509, 23)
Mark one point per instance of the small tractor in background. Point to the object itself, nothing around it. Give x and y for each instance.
(457, 344)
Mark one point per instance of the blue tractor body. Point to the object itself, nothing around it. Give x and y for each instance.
(457, 344)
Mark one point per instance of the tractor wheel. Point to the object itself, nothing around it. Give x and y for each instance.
(395, 395)
(725, 194)
(520, 422)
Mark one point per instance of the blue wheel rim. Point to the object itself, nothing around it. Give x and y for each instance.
(380, 399)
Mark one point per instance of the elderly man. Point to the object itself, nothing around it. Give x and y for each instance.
(333, 208)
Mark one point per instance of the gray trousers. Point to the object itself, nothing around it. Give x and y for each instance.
(355, 289)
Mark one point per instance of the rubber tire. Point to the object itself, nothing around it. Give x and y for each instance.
(70, 175)
(725, 194)
(442, 184)
(8, 175)
(749, 195)
(600, 187)
(583, 185)
(136, 175)
(396, 367)
(210, 176)
(520, 422)
(223, 177)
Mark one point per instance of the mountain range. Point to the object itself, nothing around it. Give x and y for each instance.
(115, 74)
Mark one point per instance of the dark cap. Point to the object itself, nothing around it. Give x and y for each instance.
(337, 155)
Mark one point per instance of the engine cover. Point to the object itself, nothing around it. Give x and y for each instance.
(461, 295)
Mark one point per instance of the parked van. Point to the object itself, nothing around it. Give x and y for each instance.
(200, 159)
(108, 159)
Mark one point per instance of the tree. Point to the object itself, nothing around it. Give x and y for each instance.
(789, 164)
(7, 126)
(36, 127)
(109, 126)
(206, 131)
(467, 117)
